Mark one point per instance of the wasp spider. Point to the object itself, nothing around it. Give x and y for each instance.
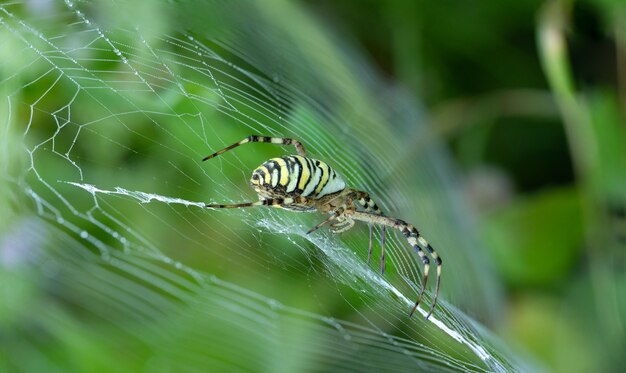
(299, 183)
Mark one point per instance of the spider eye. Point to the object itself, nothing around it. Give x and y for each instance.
(255, 177)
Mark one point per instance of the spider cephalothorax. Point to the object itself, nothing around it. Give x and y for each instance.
(298, 183)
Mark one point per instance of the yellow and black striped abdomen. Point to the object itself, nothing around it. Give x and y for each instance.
(295, 175)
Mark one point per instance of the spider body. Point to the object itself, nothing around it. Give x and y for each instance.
(295, 176)
(299, 183)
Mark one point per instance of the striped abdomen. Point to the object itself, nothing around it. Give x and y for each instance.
(295, 175)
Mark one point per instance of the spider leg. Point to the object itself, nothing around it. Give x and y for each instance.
(417, 241)
(382, 250)
(369, 249)
(342, 226)
(334, 215)
(318, 226)
(234, 206)
(437, 259)
(363, 198)
(254, 138)
(274, 202)
(412, 235)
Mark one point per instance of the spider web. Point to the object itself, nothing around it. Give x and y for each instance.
(108, 109)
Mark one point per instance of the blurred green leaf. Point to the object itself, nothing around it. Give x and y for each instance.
(536, 240)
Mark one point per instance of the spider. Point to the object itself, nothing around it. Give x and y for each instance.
(299, 183)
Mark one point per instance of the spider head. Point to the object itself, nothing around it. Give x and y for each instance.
(257, 181)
